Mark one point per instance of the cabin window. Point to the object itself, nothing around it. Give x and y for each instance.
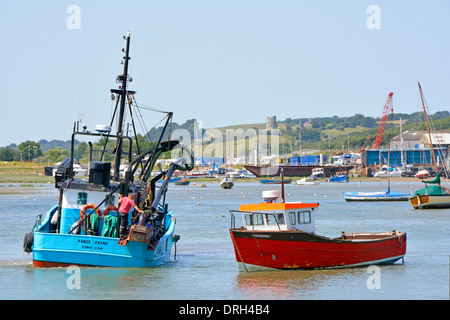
(109, 200)
(254, 219)
(275, 219)
(292, 218)
(82, 198)
(304, 217)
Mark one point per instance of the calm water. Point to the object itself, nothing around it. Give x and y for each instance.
(205, 267)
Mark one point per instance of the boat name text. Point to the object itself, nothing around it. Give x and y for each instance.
(87, 244)
(266, 236)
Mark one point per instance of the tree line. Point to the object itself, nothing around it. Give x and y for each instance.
(319, 133)
(353, 132)
(33, 151)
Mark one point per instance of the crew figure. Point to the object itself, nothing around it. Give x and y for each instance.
(126, 203)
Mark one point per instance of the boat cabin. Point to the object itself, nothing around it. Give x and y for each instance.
(270, 215)
(318, 173)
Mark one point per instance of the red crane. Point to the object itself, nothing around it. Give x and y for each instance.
(383, 121)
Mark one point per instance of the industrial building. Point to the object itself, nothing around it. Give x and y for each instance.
(410, 156)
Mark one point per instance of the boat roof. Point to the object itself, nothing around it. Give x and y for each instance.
(264, 206)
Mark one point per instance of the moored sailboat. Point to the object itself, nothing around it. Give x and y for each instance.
(434, 196)
(88, 226)
(380, 195)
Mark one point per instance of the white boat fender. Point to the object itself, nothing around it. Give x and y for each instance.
(55, 218)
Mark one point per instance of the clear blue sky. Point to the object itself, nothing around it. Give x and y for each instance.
(221, 62)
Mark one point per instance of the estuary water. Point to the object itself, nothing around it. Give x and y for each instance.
(205, 267)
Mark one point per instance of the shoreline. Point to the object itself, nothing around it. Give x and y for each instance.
(26, 173)
(19, 178)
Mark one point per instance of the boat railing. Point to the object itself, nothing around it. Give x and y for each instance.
(233, 218)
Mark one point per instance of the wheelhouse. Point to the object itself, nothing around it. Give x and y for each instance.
(278, 216)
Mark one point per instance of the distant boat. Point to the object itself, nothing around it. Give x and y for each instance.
(294, 170)
(171, 180)
(77, 169)
(340, 176)
(422, 174)
(317, 173)
(233, 174)
(380, 195)
(376, 196)
(307, 181)
(182, 182)
(197, 174)
(247, 175)
(385, 171)
(227, 183)
(278, 181)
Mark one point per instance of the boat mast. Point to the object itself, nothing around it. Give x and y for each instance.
(123, 94)
(389, 153)
(401, 144)
(428, 127)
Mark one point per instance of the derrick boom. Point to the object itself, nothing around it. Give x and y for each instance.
(383, 121)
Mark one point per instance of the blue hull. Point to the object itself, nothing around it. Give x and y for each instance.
(376, 196)
(60, 249)
(338, 179)
(287, 181)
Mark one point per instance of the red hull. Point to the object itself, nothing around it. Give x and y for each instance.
(296, 249)
(48, 264)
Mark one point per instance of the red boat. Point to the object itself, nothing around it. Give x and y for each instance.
(280, 235)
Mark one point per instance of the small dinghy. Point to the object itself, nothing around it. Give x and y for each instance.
(227, 183)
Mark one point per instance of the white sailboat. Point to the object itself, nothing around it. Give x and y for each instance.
(379, 195)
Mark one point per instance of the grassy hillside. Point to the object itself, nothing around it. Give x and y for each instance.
(23, 172)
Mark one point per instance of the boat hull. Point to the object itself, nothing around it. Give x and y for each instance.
(307, 183)
(56, 249)
(338, 179)
(294, 249)
(286, 181)
(182, 183)
(376, 196)
(53, 250)
(430, 201)
(226, 185)
(293, 170)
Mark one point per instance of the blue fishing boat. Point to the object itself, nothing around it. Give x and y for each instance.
(88, 226)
